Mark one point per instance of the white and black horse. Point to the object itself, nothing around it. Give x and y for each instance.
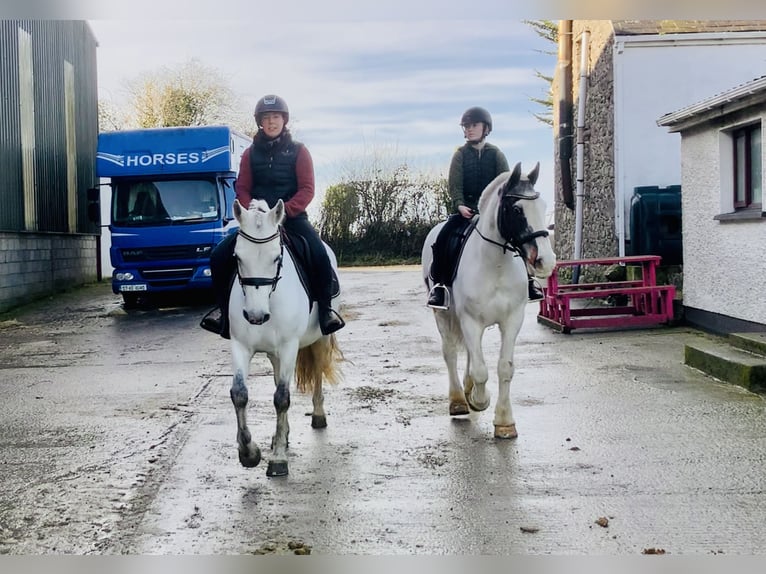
(490, 288)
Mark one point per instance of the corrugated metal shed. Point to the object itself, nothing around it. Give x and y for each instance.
(35, 57)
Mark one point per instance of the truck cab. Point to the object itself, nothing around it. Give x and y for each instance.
(171, 195)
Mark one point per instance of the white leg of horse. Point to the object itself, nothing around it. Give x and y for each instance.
(318, 416)
(477, 373)
(249, 453)
(275, 370)
(467, 380)
(505, 425)
(450, 340)
(283, 375)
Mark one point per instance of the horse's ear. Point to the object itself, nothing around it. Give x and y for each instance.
(237, 209)
(514, 179)
(532, 175)
(279, 212)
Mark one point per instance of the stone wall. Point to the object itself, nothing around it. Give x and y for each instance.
(598, 234)
(33, 265)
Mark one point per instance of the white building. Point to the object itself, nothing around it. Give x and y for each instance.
(724, 228)
(624, 75)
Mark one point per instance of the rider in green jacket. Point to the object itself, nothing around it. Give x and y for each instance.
(474, 165)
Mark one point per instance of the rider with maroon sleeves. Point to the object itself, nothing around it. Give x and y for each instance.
(275, 167)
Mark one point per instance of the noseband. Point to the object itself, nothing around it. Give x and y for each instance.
(262, 281)
(513, 241)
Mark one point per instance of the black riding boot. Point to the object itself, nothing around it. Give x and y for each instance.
(223, 265)
(217, 320)
(329, 319)
(535, 293)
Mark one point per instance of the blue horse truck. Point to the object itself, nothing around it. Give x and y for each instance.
(172, 193)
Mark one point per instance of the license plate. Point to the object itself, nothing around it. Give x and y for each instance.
(139, 287)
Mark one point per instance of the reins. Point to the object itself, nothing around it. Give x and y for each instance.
(507, 246)
(262, 281)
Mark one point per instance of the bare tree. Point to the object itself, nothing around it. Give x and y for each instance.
(189, 95)
(378, 178)
(339, 218)
(381, 210)
(110, 117)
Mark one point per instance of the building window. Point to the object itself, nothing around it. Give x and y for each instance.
(748, 179)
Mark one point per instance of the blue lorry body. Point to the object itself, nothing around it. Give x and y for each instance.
(172, 191)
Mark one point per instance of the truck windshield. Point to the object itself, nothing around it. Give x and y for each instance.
(164, 201)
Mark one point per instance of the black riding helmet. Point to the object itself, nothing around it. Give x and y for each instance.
(271, 103)
(476, 114)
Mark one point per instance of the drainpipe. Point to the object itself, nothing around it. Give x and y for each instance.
(564, 72)
(580, 187)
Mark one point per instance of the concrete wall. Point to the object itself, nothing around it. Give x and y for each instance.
(723, 260)
(33, 265)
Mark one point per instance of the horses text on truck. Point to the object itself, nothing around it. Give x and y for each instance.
(172, 192)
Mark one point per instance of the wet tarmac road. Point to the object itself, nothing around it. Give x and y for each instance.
(117, 435)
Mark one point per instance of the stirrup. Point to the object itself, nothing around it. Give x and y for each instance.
(446, 295)
(336, 322)
(534, 291)
(212, 321)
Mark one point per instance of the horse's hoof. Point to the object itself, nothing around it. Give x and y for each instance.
(277, 468)
(249, 456)
(458, 408)
(478, 407)
(318, 421)
(506, 431)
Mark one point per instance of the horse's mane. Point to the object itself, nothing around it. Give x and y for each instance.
(490, 192)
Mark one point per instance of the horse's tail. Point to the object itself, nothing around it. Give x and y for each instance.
(316, 361)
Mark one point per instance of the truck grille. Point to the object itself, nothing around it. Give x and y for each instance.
(167, 253)
(167, 277)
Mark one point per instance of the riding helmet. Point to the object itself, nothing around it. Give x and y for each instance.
(271, 103)
(476, 114)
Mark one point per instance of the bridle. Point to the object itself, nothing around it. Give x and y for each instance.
(262, 281)
(514, 243)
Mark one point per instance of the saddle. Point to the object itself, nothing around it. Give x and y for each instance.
(453, 246)
(301, 254)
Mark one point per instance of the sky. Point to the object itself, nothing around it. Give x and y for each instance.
(358, 81)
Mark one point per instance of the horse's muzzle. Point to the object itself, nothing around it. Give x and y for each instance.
(256, 320)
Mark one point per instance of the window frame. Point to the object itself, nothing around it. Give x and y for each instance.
(744, 135)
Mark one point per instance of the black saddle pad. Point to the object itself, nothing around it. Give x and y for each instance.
(455, 243)
(299, 249)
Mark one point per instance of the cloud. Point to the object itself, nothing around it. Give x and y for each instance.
(356, 83)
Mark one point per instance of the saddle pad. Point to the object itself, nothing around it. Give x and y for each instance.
(456, 244)
(299, 250)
